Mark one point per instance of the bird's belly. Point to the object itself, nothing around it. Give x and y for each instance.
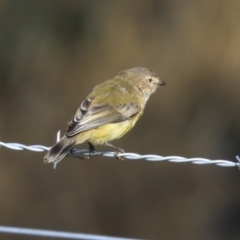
(110, 132)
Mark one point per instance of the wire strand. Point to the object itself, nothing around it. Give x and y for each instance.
(77, 153)
(57, 234)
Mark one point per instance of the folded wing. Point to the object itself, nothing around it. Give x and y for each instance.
(90, 116)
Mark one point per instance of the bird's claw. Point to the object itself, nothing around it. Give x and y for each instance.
(89, 155)
(116, 155)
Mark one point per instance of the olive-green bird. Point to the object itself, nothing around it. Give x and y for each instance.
(110, 111)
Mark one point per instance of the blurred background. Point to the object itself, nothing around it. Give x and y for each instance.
(52, 53)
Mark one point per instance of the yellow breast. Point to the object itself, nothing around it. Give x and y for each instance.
(111, 131)
(106, 133)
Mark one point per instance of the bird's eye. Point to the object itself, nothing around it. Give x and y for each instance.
(150, 80)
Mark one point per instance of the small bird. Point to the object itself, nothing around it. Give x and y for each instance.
(110, 111)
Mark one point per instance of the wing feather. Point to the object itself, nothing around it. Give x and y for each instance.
(91, 114)
(90, 117)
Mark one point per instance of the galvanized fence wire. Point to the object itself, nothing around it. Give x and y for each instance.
(57, 234)
(76, 153)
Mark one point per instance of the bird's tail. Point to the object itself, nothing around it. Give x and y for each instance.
(58, 151)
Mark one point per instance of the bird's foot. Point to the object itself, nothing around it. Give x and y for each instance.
(116, 154)
(89, 155)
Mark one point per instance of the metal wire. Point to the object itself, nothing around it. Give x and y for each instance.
(57, 234)
(128, 156)
(85, 152)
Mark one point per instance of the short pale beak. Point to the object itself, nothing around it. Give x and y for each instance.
(161, 83)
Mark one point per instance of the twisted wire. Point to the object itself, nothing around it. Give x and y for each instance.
(56, 234)
(128, 156)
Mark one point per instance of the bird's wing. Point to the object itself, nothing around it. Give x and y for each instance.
(90, 116)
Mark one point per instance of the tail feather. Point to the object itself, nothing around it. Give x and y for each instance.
(59, 150)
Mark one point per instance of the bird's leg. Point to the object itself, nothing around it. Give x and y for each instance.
(119, 150)
(110, 145)
(91, 150)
